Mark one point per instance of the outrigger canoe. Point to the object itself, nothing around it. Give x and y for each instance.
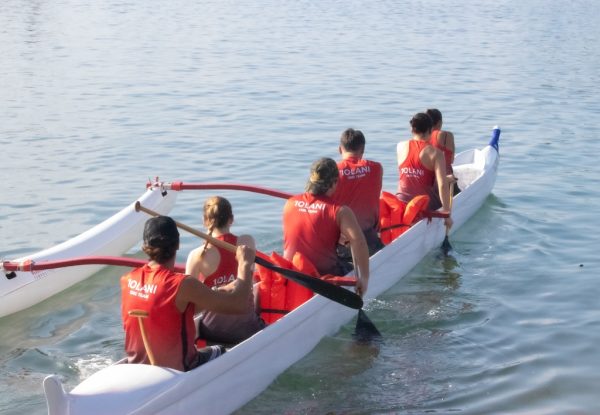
(249, 367)
(116, 235)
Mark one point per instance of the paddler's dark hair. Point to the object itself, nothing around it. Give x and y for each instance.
(161, 239)
(323, 175)
(217, 213)
(435, 115)
(352, 140)
(421, 123)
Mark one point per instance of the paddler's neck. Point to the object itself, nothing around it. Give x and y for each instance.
(347, 154)
(170, 264)
(221, 231)
(422, 137)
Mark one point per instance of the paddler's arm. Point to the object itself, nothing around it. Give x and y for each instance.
(350, 228)
(449, 144)
(248, 241)
(439, 164)
(234, 301)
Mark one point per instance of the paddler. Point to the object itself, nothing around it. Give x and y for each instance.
(420, 165)
(217, 268)
(443, 140)
(170, 299)
(359, 186)
(313, 223)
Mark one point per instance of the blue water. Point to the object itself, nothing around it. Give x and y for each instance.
(96, 97)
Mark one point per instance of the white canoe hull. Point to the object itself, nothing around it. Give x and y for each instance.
(114, 236)
(251, 366)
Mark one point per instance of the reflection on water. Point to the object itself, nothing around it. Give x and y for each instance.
(449, 275)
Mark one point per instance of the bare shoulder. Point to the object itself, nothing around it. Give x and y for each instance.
(193, 263)
(402, 145)
(194, 254)
(345, 217)
(202, 254)
(247, 240)
(449, 137)
(402, 151)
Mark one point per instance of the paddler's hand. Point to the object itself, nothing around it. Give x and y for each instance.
(448, 222)
(361, 286)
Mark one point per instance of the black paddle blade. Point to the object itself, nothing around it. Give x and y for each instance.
(333, 292)
(446, 247)
(365, 331)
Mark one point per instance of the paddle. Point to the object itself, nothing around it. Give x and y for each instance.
(364, 331)
(446, 247)
(141, 315)
(333, 292)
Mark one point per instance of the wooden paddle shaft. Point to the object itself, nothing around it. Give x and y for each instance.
(141, 315)
(216, 242)
(451, 191)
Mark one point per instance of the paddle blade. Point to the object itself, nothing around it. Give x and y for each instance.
(446, 247)
(365, 331)
(333, 292)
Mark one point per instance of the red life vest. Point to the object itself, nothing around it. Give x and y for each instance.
(277, 294)
(310, 227)
(226, 271)
(170, 333)
(435, 135)
(414, 178)
(359, 187)
(396, 216)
